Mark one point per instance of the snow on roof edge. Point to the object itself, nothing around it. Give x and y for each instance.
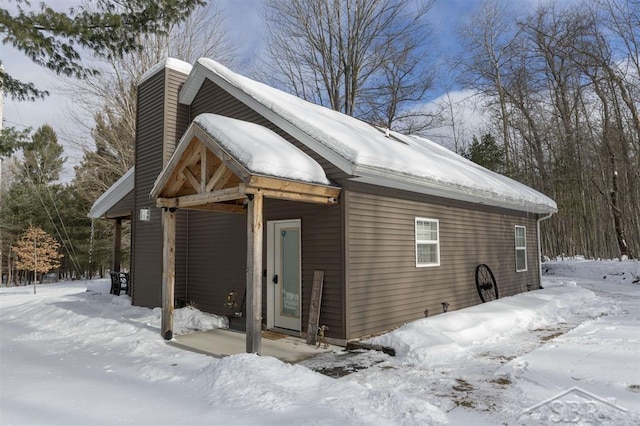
(113, 195)
(467, 182)
(437, 189)
(171, 63)
(203, 122)
(261, 150)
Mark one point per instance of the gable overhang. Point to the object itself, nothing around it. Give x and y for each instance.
(121, 189)
(203, 175)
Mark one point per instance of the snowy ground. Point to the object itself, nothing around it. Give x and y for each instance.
(69, 356)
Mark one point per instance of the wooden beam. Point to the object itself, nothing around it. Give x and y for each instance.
(238, 169)
(186, 201)
(168, 271)
(191, 154)
(203, 169)
(254, 274)
(192, 179)
(174, 184)
(294, 196)
(265, 182)
(217, 177)
(228, 174)
(314, 307)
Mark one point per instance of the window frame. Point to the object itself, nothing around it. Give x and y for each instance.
(521, 248)
(435, 242)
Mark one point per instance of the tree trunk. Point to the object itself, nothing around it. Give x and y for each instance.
(617, 215)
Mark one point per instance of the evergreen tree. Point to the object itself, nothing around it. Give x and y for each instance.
(54, 40)
(12, 140)
(43, 160)
(33, 197)
(487, 153)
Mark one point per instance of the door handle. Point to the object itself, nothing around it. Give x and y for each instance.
(275, 279)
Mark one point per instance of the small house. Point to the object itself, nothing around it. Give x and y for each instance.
(243, 190)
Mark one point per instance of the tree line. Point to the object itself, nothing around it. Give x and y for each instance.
(559, 84)
(562, 85)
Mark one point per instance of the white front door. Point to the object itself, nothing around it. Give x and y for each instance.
(284, 303)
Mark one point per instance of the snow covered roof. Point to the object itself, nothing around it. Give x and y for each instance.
(260, 150)
(367, 153)
(172, 63)
(113, 195)
(247, 149)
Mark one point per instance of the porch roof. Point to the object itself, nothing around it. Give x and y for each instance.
(220, 160)
(112, 196)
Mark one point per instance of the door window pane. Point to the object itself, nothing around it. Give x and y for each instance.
(290, 257)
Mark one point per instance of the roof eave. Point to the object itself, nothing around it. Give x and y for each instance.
(438, 189)
(116, 192)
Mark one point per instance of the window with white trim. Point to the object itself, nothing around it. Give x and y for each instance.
(521, 248)
(427, 242)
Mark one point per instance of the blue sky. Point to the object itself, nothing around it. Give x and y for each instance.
(246, 26)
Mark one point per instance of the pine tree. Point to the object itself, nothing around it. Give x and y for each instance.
(487, 153)
(36, 251)
(43, 160)
(54, 40)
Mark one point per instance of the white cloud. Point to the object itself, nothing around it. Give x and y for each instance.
(460, 115)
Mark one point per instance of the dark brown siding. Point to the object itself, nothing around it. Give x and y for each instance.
(155, 141)
(123, 208)
(176, 115)
(385, 288)
(215, 100)
(217, 258)
(321, 249)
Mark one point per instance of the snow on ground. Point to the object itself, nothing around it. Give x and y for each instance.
(74, 355)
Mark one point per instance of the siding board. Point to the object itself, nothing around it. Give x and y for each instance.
(385, 287)
(217, 258)
(159, 124)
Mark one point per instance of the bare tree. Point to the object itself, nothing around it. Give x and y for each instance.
(564, 80)
(365, 58)
(488, 40)
(110, 97)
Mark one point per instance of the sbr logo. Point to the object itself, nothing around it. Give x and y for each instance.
(575, 406)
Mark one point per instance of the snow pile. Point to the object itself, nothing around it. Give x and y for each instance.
(291, 387)
(610, 270)
(190, 318)
(99, 286)
(453, 332)
(185, 320)
(70, 356)
(261, 150)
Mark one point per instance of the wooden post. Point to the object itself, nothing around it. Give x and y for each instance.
(254, 273)
(314, 309)
(168, 271)
(117, 244)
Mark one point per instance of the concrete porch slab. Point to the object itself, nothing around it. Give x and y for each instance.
(222, 342)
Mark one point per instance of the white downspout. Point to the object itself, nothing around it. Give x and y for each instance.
(540, 219)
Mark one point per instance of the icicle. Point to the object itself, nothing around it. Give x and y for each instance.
(91, 251)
